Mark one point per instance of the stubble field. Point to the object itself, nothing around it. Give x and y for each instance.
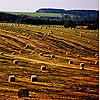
(60, 80)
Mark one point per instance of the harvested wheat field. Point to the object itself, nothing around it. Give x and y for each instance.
(63, 76)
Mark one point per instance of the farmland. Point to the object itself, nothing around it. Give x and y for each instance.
(60, 80)
(33, 14)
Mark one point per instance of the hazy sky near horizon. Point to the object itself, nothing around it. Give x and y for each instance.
(33, 5)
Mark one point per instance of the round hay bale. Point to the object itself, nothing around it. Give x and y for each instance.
(18, 35)
(29, 37)
(75, 31)
(52, 56)
(67, 53)
(96, 34)
(21, 51)
(41, 27)
(45, 34)
(89, 41)
(62, 32)
(80, 35)
(41, 54)
(91, 32)
(43, 67)
(23, 93)
(82, 66)
(11, 78)
(51, 31)
(15, 62)
(49, 47)
(32, 52)
(46, 27)
(1, 53)
(96, 55)
(70, 62)
(13, 53)
(48, 34)
(96, 62)
(78, 55)
(56, 28)
(27, 34)
(27, 46)
(33, 78)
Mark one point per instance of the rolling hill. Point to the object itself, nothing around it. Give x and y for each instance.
(60, 80)
(61, 14)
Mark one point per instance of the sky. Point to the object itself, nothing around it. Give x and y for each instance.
(33, 5)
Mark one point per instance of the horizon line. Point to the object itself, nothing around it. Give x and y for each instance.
(45, 8)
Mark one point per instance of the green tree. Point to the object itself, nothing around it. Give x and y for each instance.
(69, 23)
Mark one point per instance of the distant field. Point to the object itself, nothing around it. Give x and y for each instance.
(36, 14)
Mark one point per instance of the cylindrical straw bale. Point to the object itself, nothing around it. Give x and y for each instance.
(32, 52)
(41, 54)
(49, 47)
(96, 62)
(75, 31)
(45, 34)
(23, 93)
(27, 34)
(96, 34)
(15, 62)
(18, 35)
(91, 32)
(89, 41)
(33, 78)
(1, 53)
(11, 78)
(80, 35)
(82, 66)
(27, 46)
(67, 53)
(21, 51)
(70, 62)
(96, 55)
(52, 56)
(29, 37)
(78, 55)
(43, 67)
(13, 53)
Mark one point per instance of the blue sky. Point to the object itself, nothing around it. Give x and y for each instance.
(33, 5)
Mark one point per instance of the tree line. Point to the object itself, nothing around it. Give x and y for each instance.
(10, 18)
